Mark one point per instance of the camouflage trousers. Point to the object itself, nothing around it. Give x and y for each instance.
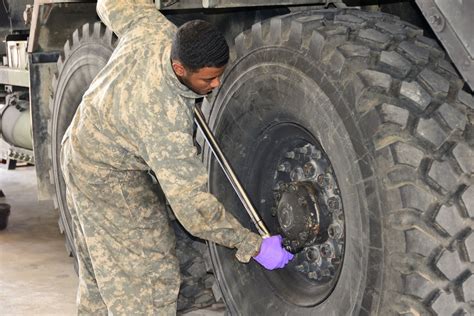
(125, 245)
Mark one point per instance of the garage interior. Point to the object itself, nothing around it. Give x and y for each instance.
(354, 117)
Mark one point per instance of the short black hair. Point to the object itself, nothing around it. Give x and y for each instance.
(198, 44)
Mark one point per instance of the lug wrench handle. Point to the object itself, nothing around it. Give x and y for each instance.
(230, 174)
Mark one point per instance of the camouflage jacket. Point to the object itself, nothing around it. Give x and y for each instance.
(137, 116)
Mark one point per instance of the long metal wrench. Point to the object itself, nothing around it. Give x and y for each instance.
(229, 172)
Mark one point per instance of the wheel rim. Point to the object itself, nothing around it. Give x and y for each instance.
(247, 106)
(290, 168)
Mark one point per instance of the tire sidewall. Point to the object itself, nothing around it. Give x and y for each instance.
(85, 54)
(337, 133)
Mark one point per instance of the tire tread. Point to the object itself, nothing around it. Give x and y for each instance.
(402, 82)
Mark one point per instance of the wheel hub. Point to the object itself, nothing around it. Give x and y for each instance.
(309, 211)
(292, 180)
(300, 217)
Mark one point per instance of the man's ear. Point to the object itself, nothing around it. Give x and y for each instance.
(178, 68)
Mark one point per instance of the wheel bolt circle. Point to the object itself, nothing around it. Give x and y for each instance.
(307, 169)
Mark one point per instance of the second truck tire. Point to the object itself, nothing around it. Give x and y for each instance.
(84, 55)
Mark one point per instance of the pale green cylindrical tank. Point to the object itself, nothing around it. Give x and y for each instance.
(15, 125)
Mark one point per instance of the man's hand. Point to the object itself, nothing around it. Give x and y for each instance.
(272, 255)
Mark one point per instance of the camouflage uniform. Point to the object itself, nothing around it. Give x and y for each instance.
(137, 116)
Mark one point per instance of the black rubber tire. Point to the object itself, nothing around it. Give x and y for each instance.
(85, 54)
(389, 110)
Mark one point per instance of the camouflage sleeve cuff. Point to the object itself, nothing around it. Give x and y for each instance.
(248, 247)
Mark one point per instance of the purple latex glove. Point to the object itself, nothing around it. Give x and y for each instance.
(272, 255)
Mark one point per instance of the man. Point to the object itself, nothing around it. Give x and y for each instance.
(137, 116)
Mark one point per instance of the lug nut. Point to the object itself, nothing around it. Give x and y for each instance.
(333, 203)
(312, 254)
(329, 182)
(313, 275)
(297, 174)
(302, 267)
(277, 196)
(299, 268)
(340, 216)
(321, 180)
(316, 154)
(303, 150)
(284, 167)
(326, 251)
(334, 231)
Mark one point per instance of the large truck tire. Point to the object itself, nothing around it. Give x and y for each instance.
(84, 55)
(362, 115)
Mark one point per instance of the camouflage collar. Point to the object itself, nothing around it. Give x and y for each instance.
(172, 80)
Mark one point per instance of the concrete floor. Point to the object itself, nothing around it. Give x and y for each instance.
(36, 275)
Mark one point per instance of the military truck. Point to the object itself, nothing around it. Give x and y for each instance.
(350, 123)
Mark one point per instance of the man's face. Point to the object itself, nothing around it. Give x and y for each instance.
(202, 81)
